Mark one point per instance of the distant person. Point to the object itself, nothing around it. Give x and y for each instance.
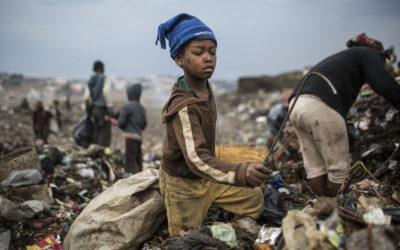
(132, 120)
(277, 114)
(68, 95)
(41, 122)
(320, 112)
(55, 124)
(99, 104)
(191, 177)
(56, 104)
(24, 104)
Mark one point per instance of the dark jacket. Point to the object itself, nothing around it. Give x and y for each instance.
(348, 70)
(132, 117)
(189, 143)
(96, 84)
(41, 118)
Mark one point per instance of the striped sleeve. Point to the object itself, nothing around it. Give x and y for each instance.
(198, 157)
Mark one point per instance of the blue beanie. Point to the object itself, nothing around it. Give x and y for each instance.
(181, 29)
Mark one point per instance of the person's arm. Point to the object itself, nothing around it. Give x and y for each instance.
(86, 95)
(379, 79)
(123, 117)
(145, 120)
(199, 159)
(107, 92)
(113, 121)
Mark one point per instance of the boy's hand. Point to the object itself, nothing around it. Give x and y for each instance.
(257, 173)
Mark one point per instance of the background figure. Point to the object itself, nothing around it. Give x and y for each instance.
(276, 115)
(99, 104)
(320, 111)
(68, 95)
(55, 123)
(132, 120)
(41, 122)
(24, 103)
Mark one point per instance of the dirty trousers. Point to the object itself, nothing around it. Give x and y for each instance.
(323, 138)
(102, 128)
(133, 156)
(188, 200)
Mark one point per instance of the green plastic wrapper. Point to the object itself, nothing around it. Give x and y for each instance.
(225, 233)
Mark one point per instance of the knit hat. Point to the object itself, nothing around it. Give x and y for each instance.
(365, 41)
(181, 29)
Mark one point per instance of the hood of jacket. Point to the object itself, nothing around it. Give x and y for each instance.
(179, 98)
(134, 92)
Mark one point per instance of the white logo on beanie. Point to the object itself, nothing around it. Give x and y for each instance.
(203, 33)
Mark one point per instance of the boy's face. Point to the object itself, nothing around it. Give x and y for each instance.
(198, 59)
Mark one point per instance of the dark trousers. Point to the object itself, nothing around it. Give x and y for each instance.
(101, 127)
(42, 133)
(133, 156)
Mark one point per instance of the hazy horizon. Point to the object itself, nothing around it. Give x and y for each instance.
(52, 38)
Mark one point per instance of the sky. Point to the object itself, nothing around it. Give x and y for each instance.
(62, 38)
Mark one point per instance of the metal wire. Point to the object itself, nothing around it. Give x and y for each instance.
(271, 149)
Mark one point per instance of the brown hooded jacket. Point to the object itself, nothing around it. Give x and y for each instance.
(189, 143)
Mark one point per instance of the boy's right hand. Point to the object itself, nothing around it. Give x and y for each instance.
(256, 174)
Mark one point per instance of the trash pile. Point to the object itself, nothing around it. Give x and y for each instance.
(364, 215)
(59, 196)
(243, 118)
(44, 189)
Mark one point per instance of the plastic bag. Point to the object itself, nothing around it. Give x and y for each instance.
(273, 212)
(225, 233)
(394, 213)
(268, 235)
(23, 178)
(83, 132)
(122, 217)
(332, 227)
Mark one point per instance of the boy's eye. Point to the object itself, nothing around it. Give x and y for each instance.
(197, 53)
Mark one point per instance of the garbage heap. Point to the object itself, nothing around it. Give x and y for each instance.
(44, 188)
(364, 215)
(50, 194)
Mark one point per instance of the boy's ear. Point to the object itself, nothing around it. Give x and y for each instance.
(178, 60)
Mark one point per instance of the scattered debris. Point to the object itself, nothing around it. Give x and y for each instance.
(51, 191)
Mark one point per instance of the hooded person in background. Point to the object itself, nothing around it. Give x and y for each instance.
(132, 120)
(276, 116)
(320, 111)
(98, 103)
(192, 178)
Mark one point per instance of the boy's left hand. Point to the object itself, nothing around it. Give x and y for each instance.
(256, 174)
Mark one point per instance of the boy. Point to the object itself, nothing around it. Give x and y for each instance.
(132, 120)
(320, 111)
(99, 104)
(191, 177)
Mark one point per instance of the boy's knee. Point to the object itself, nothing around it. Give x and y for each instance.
(259, 203)
(254, 205)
